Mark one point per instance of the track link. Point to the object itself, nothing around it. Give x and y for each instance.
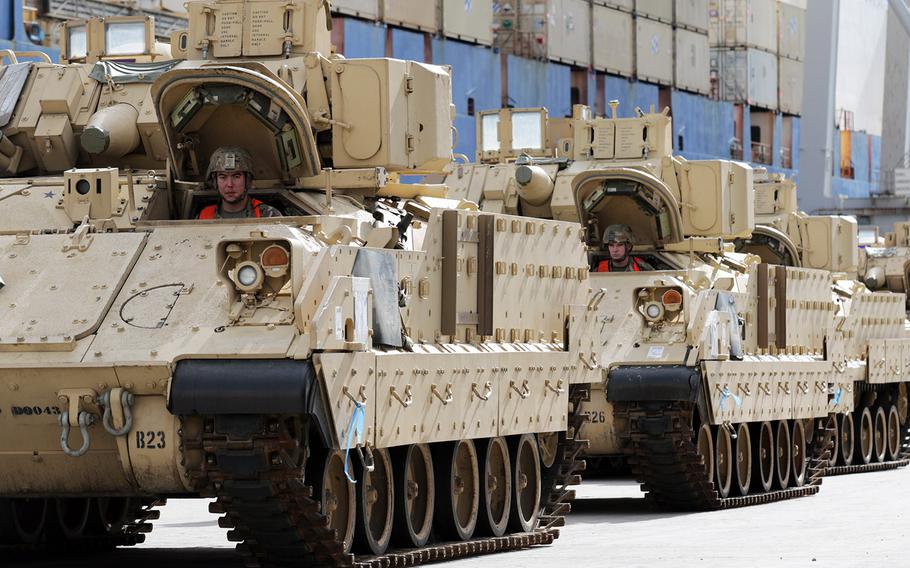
(903, 459)
(664, 459)
(254, 466)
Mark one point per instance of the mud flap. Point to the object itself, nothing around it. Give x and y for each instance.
(243, 387)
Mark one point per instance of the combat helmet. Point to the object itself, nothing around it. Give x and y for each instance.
(619, 233)
(229, 159)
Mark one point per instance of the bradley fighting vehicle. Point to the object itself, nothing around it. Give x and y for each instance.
(379, 377)
(722, 369)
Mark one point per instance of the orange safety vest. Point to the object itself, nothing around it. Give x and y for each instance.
(211, 211)
(604, 266)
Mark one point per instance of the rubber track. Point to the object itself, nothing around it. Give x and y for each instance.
(277, 522)
(664, 459)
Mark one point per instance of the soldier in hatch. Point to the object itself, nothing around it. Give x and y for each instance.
(231, 173)
(618, 241)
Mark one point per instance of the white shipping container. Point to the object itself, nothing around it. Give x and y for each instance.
(416, 14)
(743, 23)
(614, 41)
(468, 20)
(366, 9)
(791, 85)
(691, 14)
(654, 51)
(746, 75)
(656, 9)
(624, 5)
(792, 30)
(693, 61)
(570, 31)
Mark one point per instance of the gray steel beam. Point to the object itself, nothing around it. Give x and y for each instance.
(816, 158)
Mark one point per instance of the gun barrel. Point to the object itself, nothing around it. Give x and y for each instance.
(112, 131)
(875, 278)
(534, 185)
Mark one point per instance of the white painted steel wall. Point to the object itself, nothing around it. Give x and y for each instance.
(613, 41)
(692, 61)
(790, 85)
(656, 9)
(569, 33)
(468, 20)
(861, 62)
(367, 9)
(746, 75)
(691, 14)
(791, 27)
(654, 51)
(743, 23)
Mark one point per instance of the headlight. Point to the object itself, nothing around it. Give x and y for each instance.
(275, 260)
(248, 276)
(654, 311)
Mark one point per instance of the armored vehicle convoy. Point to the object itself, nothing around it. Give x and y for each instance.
(721, 368)
(379, 377)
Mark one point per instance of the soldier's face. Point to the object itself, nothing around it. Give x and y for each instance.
(231, 186)
(618, 251)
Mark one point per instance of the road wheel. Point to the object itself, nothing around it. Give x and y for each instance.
(799, 456)
(375, 505)
(338, 499)
(496, 487)
(880, 435)
(525, 483)
(864, 437)
(763, 456)
(894, 433)
(743, 470)
(724, 461)
(457, 488)
(782, 454)
(415, 495)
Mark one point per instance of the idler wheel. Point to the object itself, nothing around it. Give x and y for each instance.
(847, 439)
(525, 483)
(864, 436)
(799, 453)
(724, 461)
(548, 446)
(894, 433)
(783, 457)
(415, 495)
(743, 471)
(458, 489)
(338, 498)
(763, 457)
(375, 506)
(704, 446)
(495, 487)
(72, 516)
(880, 435)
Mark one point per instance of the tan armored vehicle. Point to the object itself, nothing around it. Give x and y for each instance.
(378, 370)
(721, 368)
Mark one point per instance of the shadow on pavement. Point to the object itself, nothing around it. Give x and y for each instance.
(134, 558)
(616, 510)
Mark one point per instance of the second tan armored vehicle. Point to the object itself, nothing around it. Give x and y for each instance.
(721, 368)
(381, 376)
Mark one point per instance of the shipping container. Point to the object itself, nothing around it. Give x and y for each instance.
(661, 10)
(559, 30)
(792, 29)
(624, 5)
(415, 14)
(745, 75)
(366, 9)
(791, 85)
(743, 23)
(468, 20)
(693, 61)
(691, 14)
(654, 51)
(614, 41)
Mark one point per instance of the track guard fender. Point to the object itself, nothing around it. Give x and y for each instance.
(653, 384)
(216, 387)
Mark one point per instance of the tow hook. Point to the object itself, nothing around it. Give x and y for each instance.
(124, 400)
(79, 413)
(84, 421)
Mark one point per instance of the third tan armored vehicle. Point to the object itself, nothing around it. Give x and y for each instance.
(380, 376)
(721, 368)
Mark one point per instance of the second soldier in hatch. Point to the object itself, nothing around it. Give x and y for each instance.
(230, 171)
(618, 241)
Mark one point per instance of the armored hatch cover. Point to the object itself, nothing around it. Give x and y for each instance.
(60, 287)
